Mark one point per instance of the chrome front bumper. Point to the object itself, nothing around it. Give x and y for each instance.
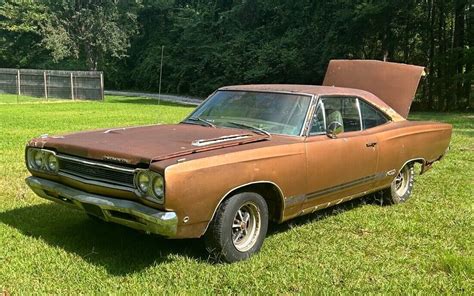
(125, 212)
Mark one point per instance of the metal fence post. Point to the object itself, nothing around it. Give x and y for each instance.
(72, 87)
(45, 86)
(102, 85)
(18, 82)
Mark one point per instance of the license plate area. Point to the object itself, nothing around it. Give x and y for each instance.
(93, 210)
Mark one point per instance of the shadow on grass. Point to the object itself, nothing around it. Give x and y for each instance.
(145, 101)
(371, 199)
(117, 248)
(121, 250)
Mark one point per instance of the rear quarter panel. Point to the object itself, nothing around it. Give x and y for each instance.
(400, 142)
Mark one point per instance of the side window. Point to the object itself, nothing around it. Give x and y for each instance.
(371, 117)
(344, 111)
(317, 125)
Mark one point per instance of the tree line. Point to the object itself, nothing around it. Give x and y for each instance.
(208, 44)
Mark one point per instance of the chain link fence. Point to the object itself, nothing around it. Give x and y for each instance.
(50, 84)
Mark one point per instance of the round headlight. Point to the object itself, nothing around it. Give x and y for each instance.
(143, 182)
(52, 163)
(36, 159)
(158, 188)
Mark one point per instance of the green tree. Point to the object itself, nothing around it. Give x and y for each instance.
(210, 43)
(80, 29)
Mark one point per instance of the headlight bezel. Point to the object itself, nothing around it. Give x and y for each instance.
(48, 158)
(150, 192)
(143, 181)
(44, 157)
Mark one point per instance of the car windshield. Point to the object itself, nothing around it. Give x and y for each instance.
(263, 112)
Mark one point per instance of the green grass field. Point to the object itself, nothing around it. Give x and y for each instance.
(424, 246)
(14, 99)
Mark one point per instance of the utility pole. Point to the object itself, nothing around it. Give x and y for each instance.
(161, 73)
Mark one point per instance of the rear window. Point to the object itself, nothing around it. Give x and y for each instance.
(371, 117)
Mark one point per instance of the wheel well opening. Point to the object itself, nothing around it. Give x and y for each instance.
(272, 195)
(420, 168)
(420, 161)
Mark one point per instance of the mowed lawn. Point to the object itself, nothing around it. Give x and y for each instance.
(14, 99)
(424, 246)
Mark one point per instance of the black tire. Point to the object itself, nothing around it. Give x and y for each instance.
(402, 185)
(222, 237)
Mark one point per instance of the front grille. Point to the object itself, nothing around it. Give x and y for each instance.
(96, 171)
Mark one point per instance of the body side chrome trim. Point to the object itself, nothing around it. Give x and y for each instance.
(346, 185)
(294, 200)
(335, 202)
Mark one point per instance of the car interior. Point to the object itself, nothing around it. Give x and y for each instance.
(345, 111)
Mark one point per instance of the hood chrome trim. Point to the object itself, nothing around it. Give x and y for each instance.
(207, 142)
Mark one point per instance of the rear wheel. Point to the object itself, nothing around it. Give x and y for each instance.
(238, 228)
(401, 187)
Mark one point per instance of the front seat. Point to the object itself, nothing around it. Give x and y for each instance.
(334, 115)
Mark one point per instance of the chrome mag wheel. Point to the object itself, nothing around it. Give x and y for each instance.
(246, 227)
(238, 228)
(402, 181)
(401, 187)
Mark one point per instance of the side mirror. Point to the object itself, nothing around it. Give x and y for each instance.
(334, 129)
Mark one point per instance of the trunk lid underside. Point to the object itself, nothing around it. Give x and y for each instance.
(393, 83)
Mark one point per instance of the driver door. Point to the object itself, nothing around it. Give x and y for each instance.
(342, 166)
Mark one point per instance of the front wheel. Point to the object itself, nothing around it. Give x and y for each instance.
(238, 228)
(401, 187)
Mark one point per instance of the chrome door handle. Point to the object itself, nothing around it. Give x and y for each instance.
(371, 144)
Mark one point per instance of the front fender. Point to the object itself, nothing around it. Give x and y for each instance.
(196, 188)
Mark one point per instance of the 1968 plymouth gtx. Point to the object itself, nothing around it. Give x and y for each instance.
(248, 155)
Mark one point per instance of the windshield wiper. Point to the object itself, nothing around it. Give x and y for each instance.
(253, 128)
(199, 119)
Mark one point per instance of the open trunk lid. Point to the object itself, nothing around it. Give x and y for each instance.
(393, 83)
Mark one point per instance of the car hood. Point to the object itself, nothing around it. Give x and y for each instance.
(146, 144)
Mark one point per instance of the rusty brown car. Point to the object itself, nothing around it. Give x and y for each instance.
(249, 154)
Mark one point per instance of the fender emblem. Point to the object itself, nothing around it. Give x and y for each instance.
(391, 172)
